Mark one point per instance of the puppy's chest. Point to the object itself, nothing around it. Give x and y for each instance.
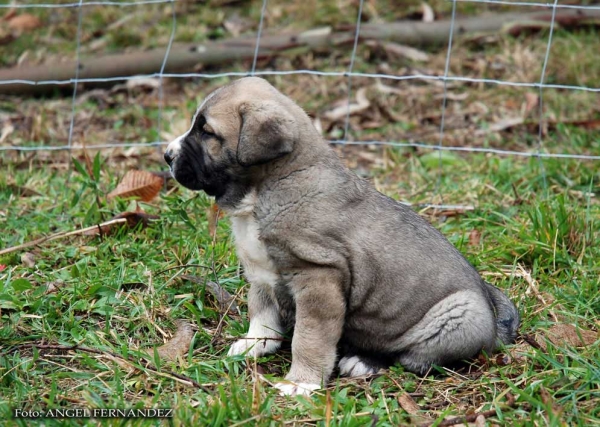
(252, 252)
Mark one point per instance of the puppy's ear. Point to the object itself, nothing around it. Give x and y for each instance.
(267, 133)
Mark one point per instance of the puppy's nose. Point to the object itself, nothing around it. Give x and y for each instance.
(169, 157)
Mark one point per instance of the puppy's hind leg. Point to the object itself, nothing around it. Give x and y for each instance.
(456, 328)
(265, 332)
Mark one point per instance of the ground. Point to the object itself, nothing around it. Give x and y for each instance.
(80, 315)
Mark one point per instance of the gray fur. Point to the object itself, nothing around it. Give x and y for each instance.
(354, 271)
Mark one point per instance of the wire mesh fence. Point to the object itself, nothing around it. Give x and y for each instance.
(356, 70)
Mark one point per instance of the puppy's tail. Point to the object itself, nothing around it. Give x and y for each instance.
(507, 316)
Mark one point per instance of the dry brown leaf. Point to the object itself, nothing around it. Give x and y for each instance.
(28, 259)
(591, 124)
(388, 89)
(236, 25)
(6, 36)
(408, 404)
(452, 96)
(141, 184)
(547, 399)
(531, 101)
(177, 346)
(225, 300)
(22, 191)
(474, 237)
(212, 215)
(11, 13)
(7, 129)
(362, 103)
(566, 334)
(400, 50)
(123, 364)
(501, 125)
(143, 83)
(503, 359)
(24, 22)
(448, 212)
(517, 29)
(52, 287)
(411, 407)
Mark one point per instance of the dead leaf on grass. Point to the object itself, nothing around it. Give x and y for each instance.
(451, 96)
(177, 346)
(501, 125)
(11, 13)
(590, 124)
(340, 111)
(6, 36)
(548, 400)
(52, 287)
(403, 51)
(28, 259)
(519, 28)
(412, 408)
(141, 184)
(408, 404)
(561, 334)
(447, 212)
(7, 129)
(24, 22)
(213, 215)
(225, 300)
(503, 359)
(531, 101)
(143, 83)
(236, 24)
(474, 237)
(22, 191)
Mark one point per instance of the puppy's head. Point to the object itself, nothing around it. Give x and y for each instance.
(239, 126)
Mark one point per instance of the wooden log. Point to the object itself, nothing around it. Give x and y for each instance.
(185, 57)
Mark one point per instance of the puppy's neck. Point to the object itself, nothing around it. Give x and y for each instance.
(244, 207)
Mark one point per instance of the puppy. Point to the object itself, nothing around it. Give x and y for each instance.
(362, 280)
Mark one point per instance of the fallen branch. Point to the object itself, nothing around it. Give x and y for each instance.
(62, 235)
(186, 57)
(165, 373)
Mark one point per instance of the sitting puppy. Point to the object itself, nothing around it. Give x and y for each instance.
(353, 272)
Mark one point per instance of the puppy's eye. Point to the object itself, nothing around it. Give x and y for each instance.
(207, 131)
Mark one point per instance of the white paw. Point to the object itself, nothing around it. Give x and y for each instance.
(253, 348)
(355, 367)
(290, 388)
(247, 346)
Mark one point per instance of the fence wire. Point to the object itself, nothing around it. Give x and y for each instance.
(350, 73)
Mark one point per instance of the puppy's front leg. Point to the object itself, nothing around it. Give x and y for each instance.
(265, 323)
(320, 311)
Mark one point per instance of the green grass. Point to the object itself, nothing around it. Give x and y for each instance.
(115, 295)
(533, 230)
